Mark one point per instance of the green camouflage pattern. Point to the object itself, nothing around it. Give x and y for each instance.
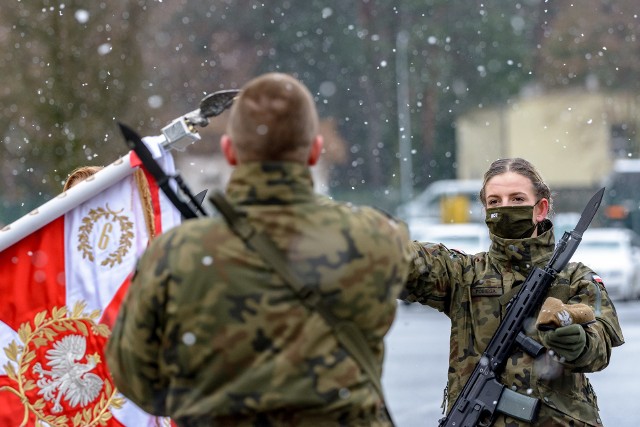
(210, 335)
(473, 291)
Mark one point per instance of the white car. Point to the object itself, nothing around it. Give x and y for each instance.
(470, 238)
(614, 254)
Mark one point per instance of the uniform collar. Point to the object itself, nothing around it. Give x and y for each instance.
(270, 183)
(522, 254)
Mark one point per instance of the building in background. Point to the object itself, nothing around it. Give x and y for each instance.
(572, 136)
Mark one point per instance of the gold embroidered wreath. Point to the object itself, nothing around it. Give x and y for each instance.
(126, 235)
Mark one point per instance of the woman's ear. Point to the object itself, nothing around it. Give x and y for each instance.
(316, 150)
(228, 150)
(541, 210)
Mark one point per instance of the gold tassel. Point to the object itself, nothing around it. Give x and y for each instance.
(147, 206)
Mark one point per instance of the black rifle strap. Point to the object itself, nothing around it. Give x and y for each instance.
(134, 142)
(347, 333)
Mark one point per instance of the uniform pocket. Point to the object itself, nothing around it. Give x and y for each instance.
(572, 402)
(485, 312)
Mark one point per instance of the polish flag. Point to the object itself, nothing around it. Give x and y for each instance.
(64, 269)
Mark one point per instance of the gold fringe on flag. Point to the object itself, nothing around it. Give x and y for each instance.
(147, 206)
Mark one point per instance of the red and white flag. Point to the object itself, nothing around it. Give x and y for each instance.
(64, 269)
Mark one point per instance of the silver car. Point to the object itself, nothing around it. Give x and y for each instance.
(614, 254)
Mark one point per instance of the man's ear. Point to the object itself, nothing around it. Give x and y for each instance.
(228, 150)
(316, 150)
(541, 210)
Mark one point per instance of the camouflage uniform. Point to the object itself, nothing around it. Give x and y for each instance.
(210, 335)
(473, 291)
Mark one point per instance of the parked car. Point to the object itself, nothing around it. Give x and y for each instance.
(445, 201)
(614, 254)
(470, 238)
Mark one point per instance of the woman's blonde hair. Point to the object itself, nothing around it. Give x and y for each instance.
(521, 167)
(80, 174)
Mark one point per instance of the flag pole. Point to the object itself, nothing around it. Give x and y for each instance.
(177, 135)
(65, 201)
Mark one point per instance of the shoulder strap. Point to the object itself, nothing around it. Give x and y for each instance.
(346, 331)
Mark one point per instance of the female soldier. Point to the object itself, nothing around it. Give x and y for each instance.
(473, 291)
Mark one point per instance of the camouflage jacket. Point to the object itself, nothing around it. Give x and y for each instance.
(473, 291)
(210, 335)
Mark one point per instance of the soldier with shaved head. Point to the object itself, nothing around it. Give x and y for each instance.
(209, 334)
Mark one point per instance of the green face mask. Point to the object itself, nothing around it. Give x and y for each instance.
(511, 222)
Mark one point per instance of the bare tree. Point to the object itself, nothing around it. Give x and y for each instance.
(593, 43)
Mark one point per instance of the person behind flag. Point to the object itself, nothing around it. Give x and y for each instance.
(209, 334)
(80, 174)
(474, 290)
(65, 270)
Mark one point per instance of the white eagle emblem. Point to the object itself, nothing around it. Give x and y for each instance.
(564, 317)
(67, 378)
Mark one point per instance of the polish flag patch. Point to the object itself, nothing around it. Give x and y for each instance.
(597, 279)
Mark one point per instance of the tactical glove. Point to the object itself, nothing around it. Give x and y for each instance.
(566, 341)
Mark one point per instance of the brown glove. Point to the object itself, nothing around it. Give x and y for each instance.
(554, 314)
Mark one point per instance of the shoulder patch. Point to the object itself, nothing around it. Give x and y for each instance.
(597, 279)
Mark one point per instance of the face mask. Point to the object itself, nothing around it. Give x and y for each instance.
(511, 222)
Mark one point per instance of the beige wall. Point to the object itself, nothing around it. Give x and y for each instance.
(565, 134)
(480, 139)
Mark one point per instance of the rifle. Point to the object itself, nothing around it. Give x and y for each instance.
(178, 134)
(482, 397)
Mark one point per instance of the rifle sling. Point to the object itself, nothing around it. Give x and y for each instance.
(137, 145)
(347, 333)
